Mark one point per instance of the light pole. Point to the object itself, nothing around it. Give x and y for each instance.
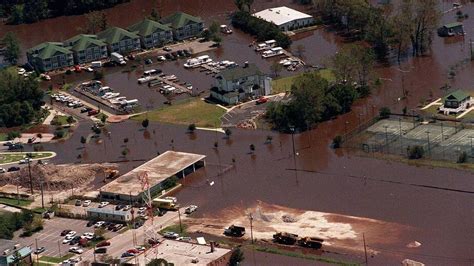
(360, 121)
(251, 226)
(294, 152)
(29, 174)
(429, 147)
(472, 151)
(400, 130)
(386, 138)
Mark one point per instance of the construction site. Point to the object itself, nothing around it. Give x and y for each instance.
(440, 140)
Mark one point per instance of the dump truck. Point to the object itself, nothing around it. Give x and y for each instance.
(285, 238)
(166, 204)
(234, 230)
(311, 242)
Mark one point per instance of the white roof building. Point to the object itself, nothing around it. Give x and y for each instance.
(285, 18)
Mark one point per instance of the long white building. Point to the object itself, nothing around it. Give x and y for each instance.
(285, 18)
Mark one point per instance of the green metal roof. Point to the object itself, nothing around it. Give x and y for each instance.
(453, 25)
(83, 41)
(240, 72)
(49, 49)
(457, 95)
(180, 19)
(115, 34)
(147, 27)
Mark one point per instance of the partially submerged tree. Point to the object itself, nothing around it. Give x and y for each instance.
(12, 48)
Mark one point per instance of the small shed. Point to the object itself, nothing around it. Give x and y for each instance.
(451, 29)
(456, 99)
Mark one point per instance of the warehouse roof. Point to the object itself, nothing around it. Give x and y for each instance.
(280, 15)
(147, 27)
(240, 72)
(158, 169)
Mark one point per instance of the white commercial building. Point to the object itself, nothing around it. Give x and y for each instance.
(285, 18)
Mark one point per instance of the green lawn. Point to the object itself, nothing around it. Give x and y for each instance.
(10, 157)
(3, 136)
(284, 84)
(174, 228)
(60, 120)
(186, 112)
(55, 259)
(14, 202)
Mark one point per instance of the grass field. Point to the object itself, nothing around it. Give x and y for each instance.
(284, 84)
(14, 202)
(186, 112)
(174, 228)
(55, 259)
(11, 157)
(3, 137)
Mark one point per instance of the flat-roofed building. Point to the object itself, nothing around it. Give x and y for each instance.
(108, 214)
(171, 163)
(13, 253)
(184, 253)
(285, 18)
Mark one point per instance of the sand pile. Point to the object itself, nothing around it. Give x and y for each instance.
(56, 177)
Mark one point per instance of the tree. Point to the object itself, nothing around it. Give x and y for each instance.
(252, 148)
(155, 15)
(300, 50)
(159, 262)
(34, 10)
(384, 112)
(125, 140)
(96, 21)
(83, 140)
(145, 123)
(353, 63)
(70, 119)
(276, 68)
(228, 132)
(191, 128)
(12, 48)
(103, 118)
(269, 139)
(125, 152)
(244, 5)
(336, 142)
(236, 257)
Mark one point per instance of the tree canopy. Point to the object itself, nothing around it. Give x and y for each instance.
(20, 99)
(12, 48)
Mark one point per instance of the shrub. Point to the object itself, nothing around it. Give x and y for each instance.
(384, 112)
(191, 127)
(59, 134)
(462, 157)
(415, 152)
(13, 134)
(98, 75)
(336, 142)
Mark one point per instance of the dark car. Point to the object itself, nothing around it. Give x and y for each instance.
(65, 232)
(187, 53)
(111, 226)
(8, 143)
(40, 250)
(103, 244)
(75, 240)
(175, 54)
(117, 227)
(100, 251)
(148, 61)
(92, 112)
(167, 49)
(181, 53)
(119, 207)
(16, 146)
(126, 254)
(168, 56)
(13, 169)
(162, 212)
(106, 224)
(90, 223)
(85, 109)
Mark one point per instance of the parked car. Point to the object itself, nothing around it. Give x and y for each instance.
(71, 233)
(184, 238)
(92, 112)
(40, 250)
(162, 212)
(262, 100)
(78, 202)
(103, 204)
(16, 146)
(111, 226)
(148, 61)
(103, 244)
(90, 223)
(127, 208)
(67, 239)
(8, 143)
(126, 254)
(117, 227)
(75, 240)
(161, 58)
(170, 235)
(2, 170)
(65, 232)
(99, 224)
(76, 250)
(167, 49)
(190, 209)
(88, 235)
(119, 207)
(13, 169)
(100, 250)
(86, 109)
(86, 203)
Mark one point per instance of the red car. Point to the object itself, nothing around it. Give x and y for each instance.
(262, 100)
(103, 244)
(92, 112)
(133, 251)
(77, 68)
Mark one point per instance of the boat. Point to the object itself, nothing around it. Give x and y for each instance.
(146, 79)
(273, 52)
(286, 62)
(265, 45)
(195, 62)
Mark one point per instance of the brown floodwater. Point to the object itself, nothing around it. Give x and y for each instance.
(326, 180)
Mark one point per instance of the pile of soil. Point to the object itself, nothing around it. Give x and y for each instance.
(56, 177)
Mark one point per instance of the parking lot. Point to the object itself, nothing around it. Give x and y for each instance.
(50, 237)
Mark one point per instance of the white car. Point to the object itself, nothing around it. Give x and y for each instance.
(76, 250)
(161, 58)
(88, 236)
(86, 203)
(99, 224)
(2, 170)
(103, 204)
(71, 234)
(67, 239)
(21, 71)
(190, 209)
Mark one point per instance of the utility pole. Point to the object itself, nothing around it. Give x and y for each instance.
(294, 152)
(37, 253)
(429, 147)
(251, 226)
(470, 47)
(59, 249)
(400, 129)
(386, 138)
(31, 179)
(42, 193)
(180, 224)
(365, 250)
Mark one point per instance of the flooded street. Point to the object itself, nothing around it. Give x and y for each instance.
(327, 180)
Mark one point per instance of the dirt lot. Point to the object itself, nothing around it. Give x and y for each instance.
(338, 231)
